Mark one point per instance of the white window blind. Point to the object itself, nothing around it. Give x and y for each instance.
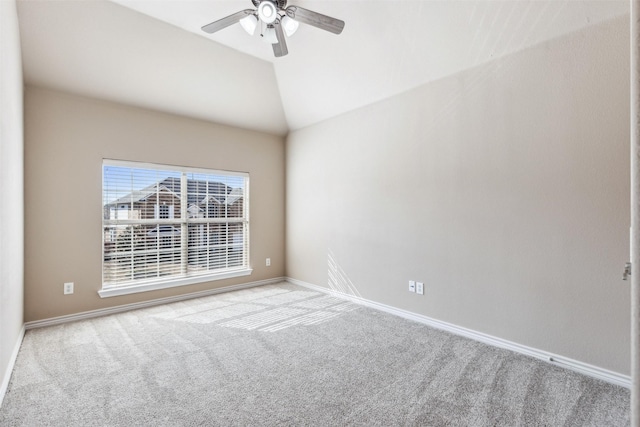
(163, 224)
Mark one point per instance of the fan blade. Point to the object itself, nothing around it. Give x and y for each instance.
(316, 19)
(280, 48)
(225, 22)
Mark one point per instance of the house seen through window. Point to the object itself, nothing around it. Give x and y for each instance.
(167, 226)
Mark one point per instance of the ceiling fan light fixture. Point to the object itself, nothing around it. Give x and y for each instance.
(269, 35)
(290, 26)
(249, 24)
(267, 11)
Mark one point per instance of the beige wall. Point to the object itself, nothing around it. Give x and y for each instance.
(504, 188)
(11, 189)
(66, 138)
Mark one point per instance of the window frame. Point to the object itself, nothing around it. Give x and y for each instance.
(183, 279)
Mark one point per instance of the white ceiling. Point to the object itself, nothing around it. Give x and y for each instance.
(132, 55)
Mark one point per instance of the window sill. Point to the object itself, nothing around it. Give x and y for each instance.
(172, 283)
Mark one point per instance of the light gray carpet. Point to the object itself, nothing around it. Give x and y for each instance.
(285, 355)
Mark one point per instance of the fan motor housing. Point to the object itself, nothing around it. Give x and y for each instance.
(280, 3)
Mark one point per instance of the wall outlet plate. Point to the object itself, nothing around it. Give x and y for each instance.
(268, 262)
(68, 288)
(412, 286)
(420, 288)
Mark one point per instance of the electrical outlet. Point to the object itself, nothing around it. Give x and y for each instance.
(412, 286)
(68, 288)
(268, 262)
(420, 288)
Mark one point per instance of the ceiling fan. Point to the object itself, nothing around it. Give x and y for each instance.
(277, 19)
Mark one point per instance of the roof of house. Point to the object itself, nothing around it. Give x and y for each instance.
(198, 192)
(141, 195)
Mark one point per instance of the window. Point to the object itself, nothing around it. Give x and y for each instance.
(164, 211)
(167, 226)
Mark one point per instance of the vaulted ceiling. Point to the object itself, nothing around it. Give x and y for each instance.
(152, 53)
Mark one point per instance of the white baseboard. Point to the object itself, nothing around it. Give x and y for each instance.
(12, 361)
(574, 365)
(134, 306)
